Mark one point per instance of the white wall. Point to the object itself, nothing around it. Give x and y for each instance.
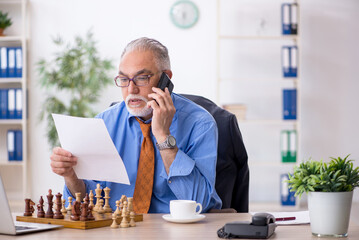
(329, 48)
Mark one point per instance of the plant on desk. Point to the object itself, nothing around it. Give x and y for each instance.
(76, 72)
(5, 22)
(330, 191)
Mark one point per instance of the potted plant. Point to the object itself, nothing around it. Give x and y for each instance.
(5, 22)
(329, 187)
(74, 79)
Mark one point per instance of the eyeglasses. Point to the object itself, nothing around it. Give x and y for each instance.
(140, 80)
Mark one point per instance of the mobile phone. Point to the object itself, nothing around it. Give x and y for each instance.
(164, 82)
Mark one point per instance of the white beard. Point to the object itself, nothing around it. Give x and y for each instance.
(145, 111)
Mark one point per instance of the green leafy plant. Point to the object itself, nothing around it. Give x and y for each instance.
(338, 175)
(77, 72)
(5, 21)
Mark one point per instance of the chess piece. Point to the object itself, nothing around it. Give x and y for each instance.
(114, 223)
(132, 219)
(63, 209)
(28, 210)
(91, 199)
(90, 217)
(87, 199)
(40, 208)
(58, 214)
(98, 192)
(107, 208)
(130, 204)
(78, 197)
(69, 207)
(100, 207)
(118, 211)
(124, 223)
(49, 213)
(84, 211)
(75, 212)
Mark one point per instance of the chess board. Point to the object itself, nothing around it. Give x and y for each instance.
(101, 220)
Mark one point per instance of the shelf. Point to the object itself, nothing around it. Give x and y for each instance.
(268, 122)
(10, 1)
(271, 164)
(10, 80)
(280, 80)
(10, 121)
(279, 37)
(12, 163)
(11, 38)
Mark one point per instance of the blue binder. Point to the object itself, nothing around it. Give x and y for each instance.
(286, 61)
(3, 66)
(11, 103)
(293, 61)
(294, 18)
(18, 145)
(11, 145)
(289, 104)
(18, 103)
(286, 30)
(290, 61)
(3, 103)
(11, 62)
(286, 196)
(18, 57)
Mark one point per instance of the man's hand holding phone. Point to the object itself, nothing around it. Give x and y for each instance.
(163, 112)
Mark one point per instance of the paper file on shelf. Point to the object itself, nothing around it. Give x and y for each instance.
(89, 140)
(301, 217)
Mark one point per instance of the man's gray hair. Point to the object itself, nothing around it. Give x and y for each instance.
(147, 44)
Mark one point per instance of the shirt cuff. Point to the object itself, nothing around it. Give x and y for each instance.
(182, 165)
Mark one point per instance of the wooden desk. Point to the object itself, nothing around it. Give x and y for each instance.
(154, 227)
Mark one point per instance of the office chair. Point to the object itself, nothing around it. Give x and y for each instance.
(232, 172)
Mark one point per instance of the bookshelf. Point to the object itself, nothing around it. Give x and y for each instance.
(249, 42)
(15, 173)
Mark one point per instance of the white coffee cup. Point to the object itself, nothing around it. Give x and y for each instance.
(184, 209)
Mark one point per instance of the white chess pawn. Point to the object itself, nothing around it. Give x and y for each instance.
(114, 223)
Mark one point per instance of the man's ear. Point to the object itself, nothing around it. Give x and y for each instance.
(169, 73)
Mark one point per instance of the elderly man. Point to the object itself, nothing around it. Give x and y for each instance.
(167, 143)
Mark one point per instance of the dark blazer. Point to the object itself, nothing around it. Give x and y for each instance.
(232, 179)
(232, 173)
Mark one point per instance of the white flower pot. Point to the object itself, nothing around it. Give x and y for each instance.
(329, 213)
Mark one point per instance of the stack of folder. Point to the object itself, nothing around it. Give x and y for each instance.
(10, 62)
(289, 104)
(290, 61)
(286, 196)
(289, 145)
(289, 18)
(14, 145)
(11, 103)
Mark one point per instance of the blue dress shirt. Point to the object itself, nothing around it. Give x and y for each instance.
(193, 172)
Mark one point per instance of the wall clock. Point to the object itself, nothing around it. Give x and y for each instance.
(184, 14)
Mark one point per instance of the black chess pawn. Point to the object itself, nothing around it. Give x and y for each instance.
(89, 214)
(40, 208)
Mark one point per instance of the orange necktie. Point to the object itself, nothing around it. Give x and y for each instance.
(145, 172)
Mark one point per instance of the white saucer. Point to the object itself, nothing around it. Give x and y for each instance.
(195, 218)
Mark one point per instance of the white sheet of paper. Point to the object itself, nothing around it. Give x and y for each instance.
(89, 140)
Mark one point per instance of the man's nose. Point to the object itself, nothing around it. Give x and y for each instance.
(132, 88)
